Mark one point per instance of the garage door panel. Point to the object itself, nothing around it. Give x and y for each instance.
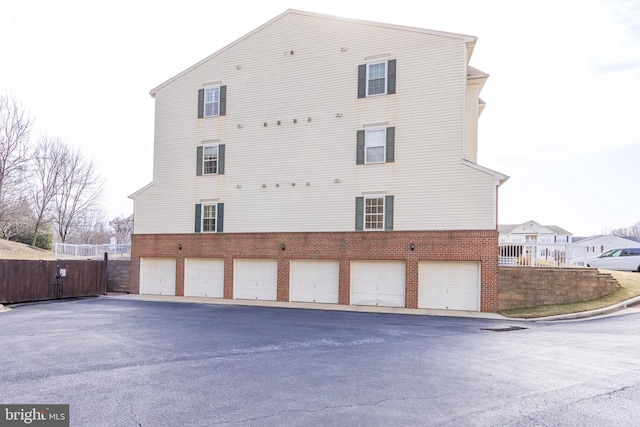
(157, 276)
(204, 277)
(380, 283)
(314, 281)
(255, 279)
(452, 285)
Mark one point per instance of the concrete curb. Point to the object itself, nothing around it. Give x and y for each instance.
(313, 306)
(616, 309)
(582, 315)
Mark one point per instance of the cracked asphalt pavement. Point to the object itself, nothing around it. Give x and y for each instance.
(138, 363)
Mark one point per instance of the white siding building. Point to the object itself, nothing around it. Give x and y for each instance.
(317, 124)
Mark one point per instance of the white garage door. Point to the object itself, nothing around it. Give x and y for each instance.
(157, 276)
(204, 277)
(314, 281)
(255, 279)
(453, 285)
(377, 283)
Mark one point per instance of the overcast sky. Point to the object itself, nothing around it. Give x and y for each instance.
(562, 116)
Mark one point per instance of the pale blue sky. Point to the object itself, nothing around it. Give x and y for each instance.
(562, 100)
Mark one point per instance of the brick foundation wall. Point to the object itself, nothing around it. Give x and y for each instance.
(118, 276)
(531, 286)
(481, 245)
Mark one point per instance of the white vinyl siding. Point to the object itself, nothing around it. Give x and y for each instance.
(283, 167)
(471, 125)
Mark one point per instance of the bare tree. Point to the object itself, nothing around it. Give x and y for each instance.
(48, 172)
(122, 229)
(15, 130)
(90, 228)
(17, 217)
(79, 192)
(632, 231)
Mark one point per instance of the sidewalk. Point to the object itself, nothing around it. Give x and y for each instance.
(619, 309)
(614, 310)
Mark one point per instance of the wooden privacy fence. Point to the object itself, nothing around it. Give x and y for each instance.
(23, 280)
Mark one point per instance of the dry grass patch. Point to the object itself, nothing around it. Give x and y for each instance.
(629, 288)
(15, 250)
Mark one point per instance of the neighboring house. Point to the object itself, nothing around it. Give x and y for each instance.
(532, 232)
(530, 243)
(322, 159)
(595, 245)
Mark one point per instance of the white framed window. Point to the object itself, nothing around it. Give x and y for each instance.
(377, 78)
(212, 101)
(374, 213)
(210, 159)
(209, 218)
(375, 145)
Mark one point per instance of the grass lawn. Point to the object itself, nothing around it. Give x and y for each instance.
(629, 288)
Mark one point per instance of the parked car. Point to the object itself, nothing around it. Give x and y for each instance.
(624, 259)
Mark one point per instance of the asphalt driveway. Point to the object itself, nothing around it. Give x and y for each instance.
(138, 363)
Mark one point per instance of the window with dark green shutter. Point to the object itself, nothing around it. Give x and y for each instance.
(391, 144)
(209, 218)
(374, 213)
(201, 103)
(223, 100)
(388, 212)
(375, 145)
(220, 219)
(377, 78)
(198, 217)
(362, 81)
(391, 77)
(210, 159)
(199, 161)
(212, 101)
(359, 213)
(360, 148)
(221, 152)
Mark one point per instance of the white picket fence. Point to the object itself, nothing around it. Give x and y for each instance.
(67, 250)
(541, 254)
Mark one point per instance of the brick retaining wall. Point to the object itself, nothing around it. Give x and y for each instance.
(118, 277)
(532, 286)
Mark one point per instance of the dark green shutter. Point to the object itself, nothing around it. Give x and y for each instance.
(220, 218)
(359, 213)
(200, 103)
(220, 159)
(198, 217)
(198, 161)
(360, 148)
(391, 144)
(391, 76)
(362, 81)
(223, 100)
(388, 212)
